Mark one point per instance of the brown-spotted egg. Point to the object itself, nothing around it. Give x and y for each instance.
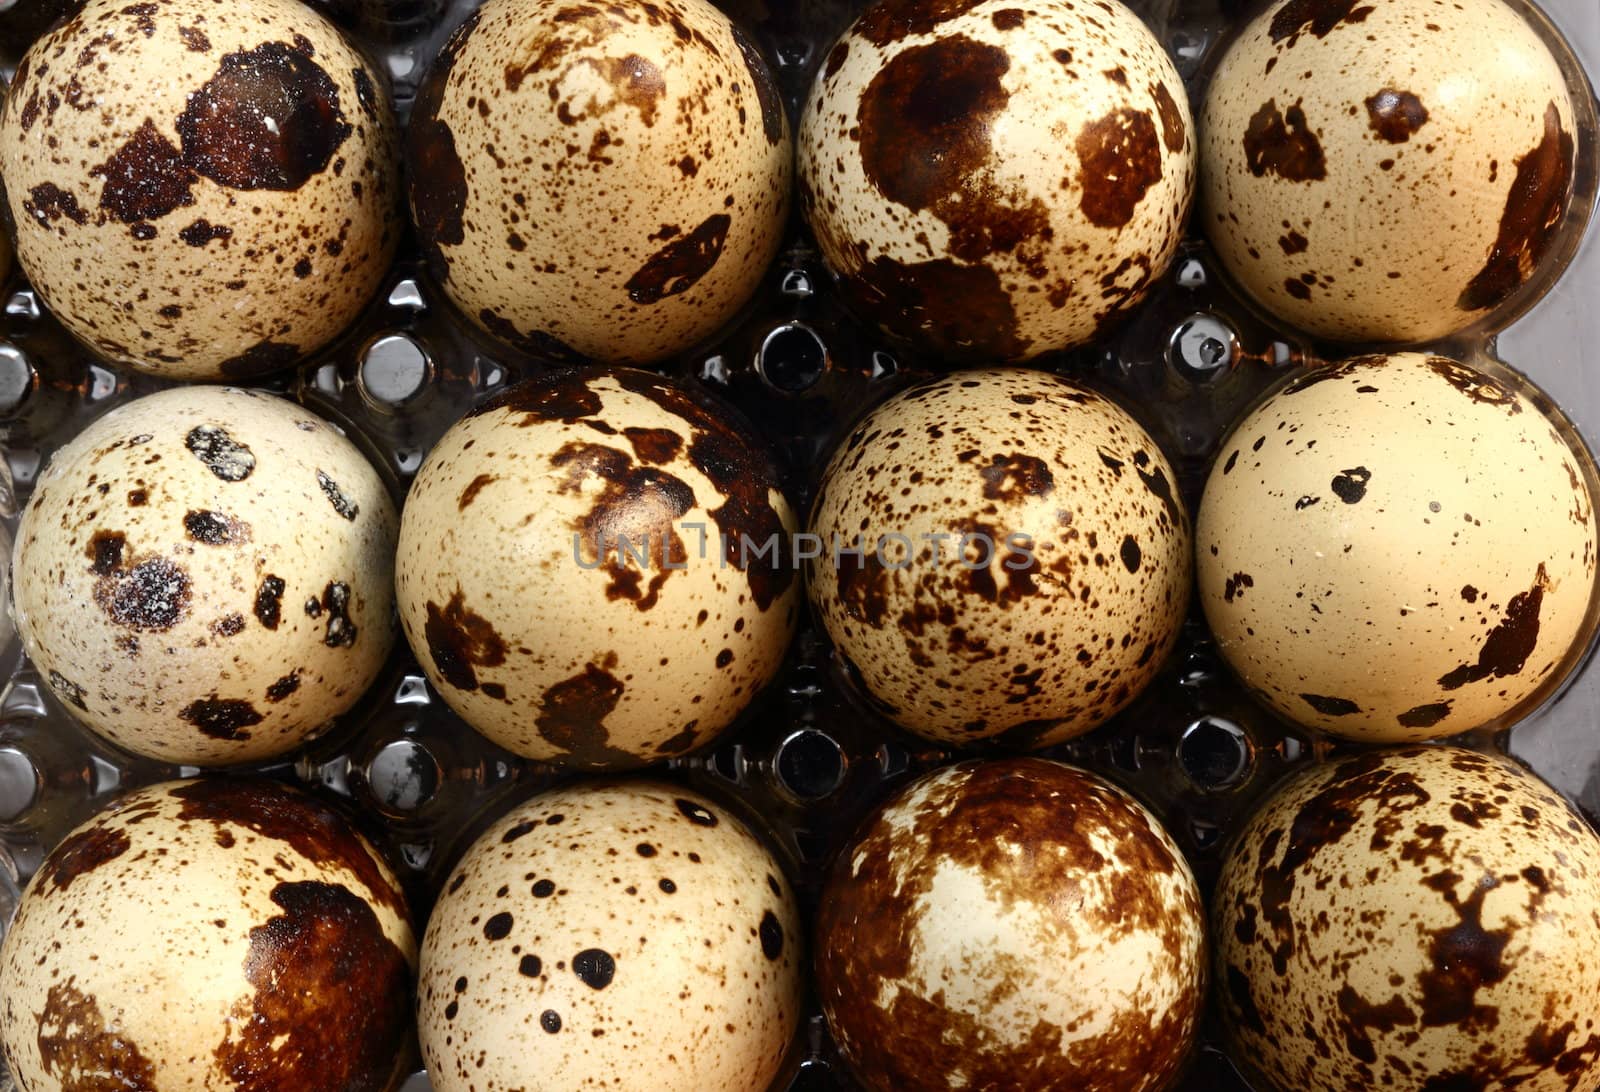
(214, 933)
(995, 180)
(615, 934)
(1397, 548)
(1420, 919)
(594, 569)
(599, 181)
(204, 575)
(201, 190)
(1001, 554)
(1015, 924)
(1385, 171)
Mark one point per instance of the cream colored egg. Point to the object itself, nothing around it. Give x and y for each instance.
(1001, 555)
(201, 190)
(599, 182)
(1412, 920)
(1016, 924)
(594, 569)
(204, 576)
(1397, 548)
(209, 934)
(1386, 172)
(631, 935)
(995, 181)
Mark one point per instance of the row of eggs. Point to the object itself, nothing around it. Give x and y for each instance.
(210, 192)
(1413, 919)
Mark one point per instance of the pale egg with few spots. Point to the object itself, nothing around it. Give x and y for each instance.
(1398, 548)
(204, 576)
(625, 933)
(1386, 172)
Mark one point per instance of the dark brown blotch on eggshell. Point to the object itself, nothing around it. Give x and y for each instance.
(1121, 159)
(330, 1003)
(436, 177)
(222, 718)
(260, 359)
(890, 21)
(537, 342)
(1173, 131)
(152, 595)
(215, 528)
(1283, 144)
(1395, 115)
(1508, 645)
(1474, 384)
(1535, 206)
(1320, 17)
(305, 824)
(960, 311)
(77, 1043)
(269, 601)
(49, 204)
(80, 853)
(676, 267)
(227, 458)
(225, 132)
(1024, 825)
(146, 178)
(460, 640)
(766, 91)
(572, 716)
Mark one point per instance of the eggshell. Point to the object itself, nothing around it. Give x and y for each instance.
(204, 575)
(209, 934)
(1397, 548)
(1015, 924)
(1412, 919)
(992, 181)
(573, 574)
(1385, 172)
(201, 190)
(599, 182)
(1064, 598)
(626, 934)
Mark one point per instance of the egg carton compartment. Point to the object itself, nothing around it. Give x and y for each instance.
(810, 758)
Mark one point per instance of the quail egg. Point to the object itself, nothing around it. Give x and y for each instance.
(1398, 548)
(627, 934)
(201, 190)
(925, 177)
(1014, 924)
(599, 182)
(204, 575)
(1000, 554)
(1386, 172)
(1417, 919)
(594, 569)
(215, 933)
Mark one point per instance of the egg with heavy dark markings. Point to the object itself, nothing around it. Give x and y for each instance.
(629, 934)
(662, 115)
(1012, 924)
(204, 576)
(1414, 919)
(201, 190)
(922, 177)
(224, 933)
(1386, 172)
(594, 569)
(1001, 555)
(1398, 548)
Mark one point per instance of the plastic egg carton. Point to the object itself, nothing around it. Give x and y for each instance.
(809, 758)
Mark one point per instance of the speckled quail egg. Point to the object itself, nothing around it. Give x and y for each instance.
(1014, 924)
(1001, 555)
(1385, 172)
(604, 182)
(1398, 548)
(1415, 919)
(201, 190)
(625, 934)
(216, 933)
(594, 569)
(204, 575)
(996, 181)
